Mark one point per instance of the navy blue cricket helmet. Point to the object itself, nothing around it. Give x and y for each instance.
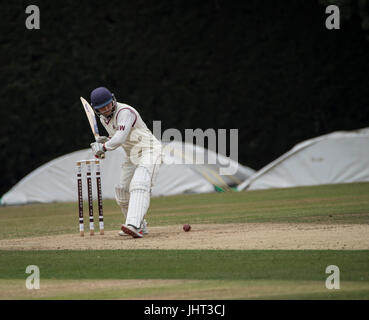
(100, 97)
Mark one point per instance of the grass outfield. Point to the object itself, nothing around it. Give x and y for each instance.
(344, 203)
(229, 274)
(192, 274)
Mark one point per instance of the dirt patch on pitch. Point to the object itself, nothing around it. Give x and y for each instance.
(246, 236)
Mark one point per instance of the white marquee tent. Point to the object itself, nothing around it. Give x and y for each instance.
(56, 181)
(338, 157)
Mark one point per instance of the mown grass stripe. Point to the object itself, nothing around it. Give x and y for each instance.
(187, 264)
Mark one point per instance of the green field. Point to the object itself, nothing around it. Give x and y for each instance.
(192, 274)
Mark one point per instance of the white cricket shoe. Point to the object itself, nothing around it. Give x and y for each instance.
(132, 231)
(143, 229)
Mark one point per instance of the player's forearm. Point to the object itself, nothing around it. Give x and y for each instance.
(117, 140)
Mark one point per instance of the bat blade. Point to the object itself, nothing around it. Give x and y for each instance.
(91, 119)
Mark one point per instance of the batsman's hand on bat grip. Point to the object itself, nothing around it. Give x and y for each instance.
(98, 150)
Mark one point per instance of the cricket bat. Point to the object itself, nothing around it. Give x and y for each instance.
(91, 119)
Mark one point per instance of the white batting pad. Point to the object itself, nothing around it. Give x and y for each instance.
(122, 198)
(139, 196)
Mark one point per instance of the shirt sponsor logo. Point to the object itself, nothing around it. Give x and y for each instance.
(119, 128)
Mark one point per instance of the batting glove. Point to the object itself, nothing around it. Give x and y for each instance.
(98, 150)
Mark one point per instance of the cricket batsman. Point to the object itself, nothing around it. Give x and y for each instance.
(140, 167)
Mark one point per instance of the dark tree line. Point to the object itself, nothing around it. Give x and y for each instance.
(270, 69)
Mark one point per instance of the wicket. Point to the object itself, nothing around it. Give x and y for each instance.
(89, 196)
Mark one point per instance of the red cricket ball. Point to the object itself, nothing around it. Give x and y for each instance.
(186, 227)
